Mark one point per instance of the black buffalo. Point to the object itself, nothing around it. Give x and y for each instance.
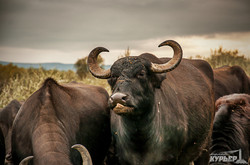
(231, 130)
(229, 80)
(162, 114)
(7, 116)
(58, 116)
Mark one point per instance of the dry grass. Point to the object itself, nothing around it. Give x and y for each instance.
(21, 87)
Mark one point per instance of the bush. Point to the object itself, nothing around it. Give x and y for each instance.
(222, 57)
(7, 72)
(82, 67)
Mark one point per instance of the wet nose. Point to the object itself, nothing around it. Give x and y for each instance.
(117, 98)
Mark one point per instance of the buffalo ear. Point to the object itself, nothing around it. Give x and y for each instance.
(157, 79)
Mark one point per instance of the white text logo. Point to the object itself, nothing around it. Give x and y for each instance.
(228, 157)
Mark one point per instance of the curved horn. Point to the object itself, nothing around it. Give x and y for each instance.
(26, 160)
(94, 68)
(86, 158)
(173, 63)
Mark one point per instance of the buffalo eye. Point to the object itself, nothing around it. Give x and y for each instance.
(141, 74)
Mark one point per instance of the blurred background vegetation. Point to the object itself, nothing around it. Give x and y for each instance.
(19, 83)
(221, 57)
(82, 66)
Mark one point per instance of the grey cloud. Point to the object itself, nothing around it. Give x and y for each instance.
(76, 24)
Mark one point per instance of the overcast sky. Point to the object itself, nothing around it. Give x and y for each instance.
(66, 30)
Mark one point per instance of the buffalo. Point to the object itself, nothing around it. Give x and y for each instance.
(162, 112)
(2, 148)
(231, 131)
(229, 80)
(7, 116)
(56, 117)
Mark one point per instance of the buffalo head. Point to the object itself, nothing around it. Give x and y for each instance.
(133, 79)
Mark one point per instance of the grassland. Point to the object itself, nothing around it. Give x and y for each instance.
(20, 83)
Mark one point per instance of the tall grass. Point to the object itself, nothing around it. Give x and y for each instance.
(22, 86)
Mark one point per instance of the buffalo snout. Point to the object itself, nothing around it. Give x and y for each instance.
(117, 98)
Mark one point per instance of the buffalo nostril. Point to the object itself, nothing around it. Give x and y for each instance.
(117, 98)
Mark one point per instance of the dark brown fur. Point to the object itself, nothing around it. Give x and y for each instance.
(58, 116)
(232, 125)
(7, 116)
(229, 80)
(2, 147)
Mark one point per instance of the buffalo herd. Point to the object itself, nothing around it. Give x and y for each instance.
(160, 111)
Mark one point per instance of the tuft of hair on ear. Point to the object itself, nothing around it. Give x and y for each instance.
(49, 81)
